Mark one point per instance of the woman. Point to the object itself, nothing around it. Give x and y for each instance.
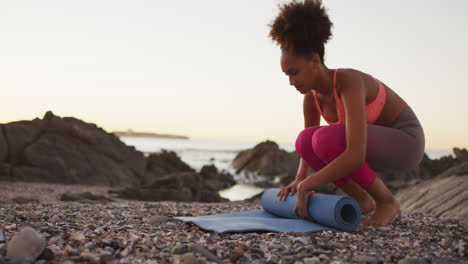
(370, 126)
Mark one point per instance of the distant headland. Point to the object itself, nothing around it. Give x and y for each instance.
(131, 133)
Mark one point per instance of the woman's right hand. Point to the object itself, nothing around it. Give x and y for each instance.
(290, 189)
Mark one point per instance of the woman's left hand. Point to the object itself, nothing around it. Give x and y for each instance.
(301, 208)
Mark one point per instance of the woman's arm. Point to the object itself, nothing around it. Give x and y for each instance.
(353, 97)
(311, 118)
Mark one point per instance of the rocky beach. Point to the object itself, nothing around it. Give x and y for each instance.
(72, 193)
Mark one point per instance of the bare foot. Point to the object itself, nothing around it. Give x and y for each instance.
(384, 214)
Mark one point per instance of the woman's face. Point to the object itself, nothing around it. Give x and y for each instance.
(302, 72)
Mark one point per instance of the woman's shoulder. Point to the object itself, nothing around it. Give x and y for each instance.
(348, 77)
(346, 74)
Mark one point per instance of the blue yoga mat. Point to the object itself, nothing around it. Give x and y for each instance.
(330, 212)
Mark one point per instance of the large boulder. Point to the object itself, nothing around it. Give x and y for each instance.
(68, 150)
(444, 196)
(216, 180)
(163, 163)
(265, 159)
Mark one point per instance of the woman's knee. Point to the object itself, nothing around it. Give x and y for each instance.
(304, 140)
(329, 142)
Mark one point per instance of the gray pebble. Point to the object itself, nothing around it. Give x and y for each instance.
(104, 253)
(313, 260)
(412, 261)
(336, 245)
(54, 219)
(301, 240)
(179, 250)
(148, 242)
(24, 200)
(203, 251)
(28, 243)
(158, 219)
(323, 256)
(189, 258)
(2, 235)
(364, 259)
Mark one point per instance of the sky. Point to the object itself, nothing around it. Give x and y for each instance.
(208, 70)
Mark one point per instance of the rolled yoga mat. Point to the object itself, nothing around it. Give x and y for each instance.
(330, 212)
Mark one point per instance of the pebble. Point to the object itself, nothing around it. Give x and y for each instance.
(313, 260)
(148, 242)
(158, 219)
(323, 256)
(180, 250)
(2, 235)
(189, 258)
(412, 261)
(364, 259)
(203, 251)
(24, 200)
(28, 243)
(301, 240)
(336, 245)
(54, 219)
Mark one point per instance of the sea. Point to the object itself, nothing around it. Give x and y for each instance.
(199, 152)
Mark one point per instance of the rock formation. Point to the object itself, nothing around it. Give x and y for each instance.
(67, 150)
(266, 159)
(444, 196)
(70, 151)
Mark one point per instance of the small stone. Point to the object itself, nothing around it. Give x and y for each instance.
(323, 256)
(54, 219)
(237, 251)
(301, 240)
(338, 245)
(148, 242)
(203, 251)
(23, 200)
(364, 259)
(189, 258)
(158, 219)
(28, 243)
(179, 250)
(413, 261)
(2, 235)
(313, 260)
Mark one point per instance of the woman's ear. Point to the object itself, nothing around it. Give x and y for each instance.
(315, 59)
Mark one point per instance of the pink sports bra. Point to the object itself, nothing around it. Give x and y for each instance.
(373, 109)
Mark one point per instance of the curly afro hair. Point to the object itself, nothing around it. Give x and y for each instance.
(302, 27)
